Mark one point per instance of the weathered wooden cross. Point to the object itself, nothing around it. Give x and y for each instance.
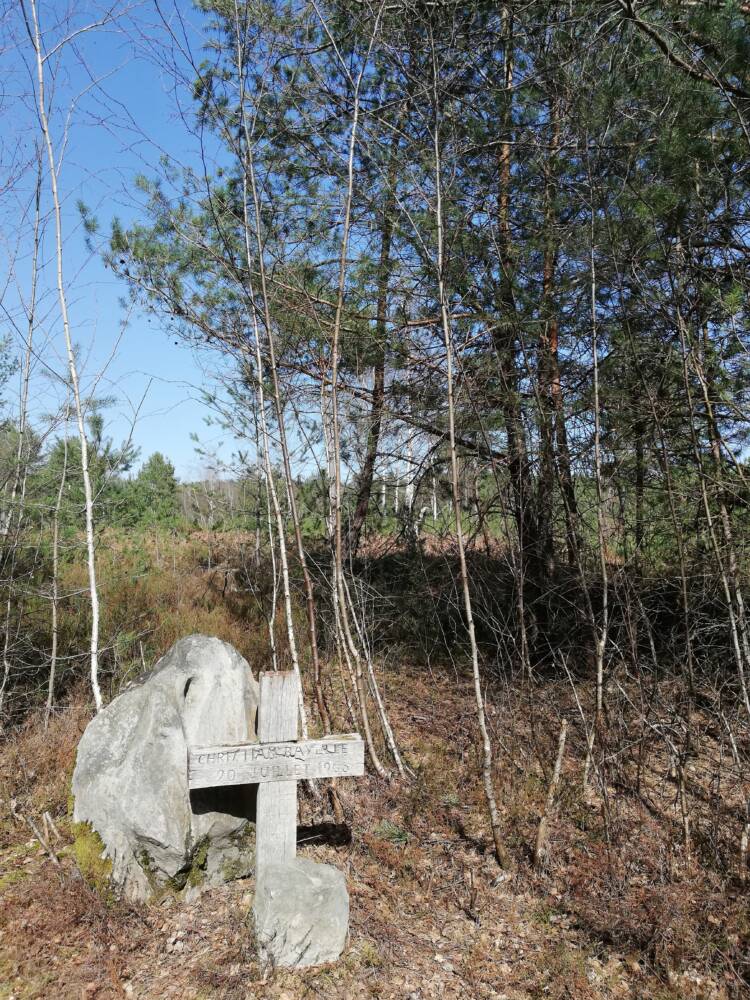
(276, 763)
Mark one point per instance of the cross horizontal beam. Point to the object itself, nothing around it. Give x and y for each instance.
(257, 763)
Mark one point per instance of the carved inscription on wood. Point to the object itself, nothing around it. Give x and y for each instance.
(255, 763)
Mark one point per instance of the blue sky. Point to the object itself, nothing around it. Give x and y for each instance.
(123, 116)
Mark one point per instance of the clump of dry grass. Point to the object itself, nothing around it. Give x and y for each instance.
(37, 763)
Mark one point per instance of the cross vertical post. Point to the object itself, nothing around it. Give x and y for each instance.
(275, 762)
(276, 812)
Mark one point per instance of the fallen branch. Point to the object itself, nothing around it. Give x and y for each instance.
(36, 831)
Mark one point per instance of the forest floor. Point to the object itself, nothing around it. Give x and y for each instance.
(619, 912)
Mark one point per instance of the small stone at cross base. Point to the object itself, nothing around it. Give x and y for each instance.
(301, 913)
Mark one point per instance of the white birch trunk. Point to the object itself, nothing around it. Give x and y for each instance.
(35, 36)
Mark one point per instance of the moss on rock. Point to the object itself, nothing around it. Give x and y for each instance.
(197, 872)
(89, 852)
(232, 869)
(193, 874)
(146, 862)
(242, 864)
(246, 836)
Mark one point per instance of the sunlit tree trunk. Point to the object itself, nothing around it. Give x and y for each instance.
(487, 776)
(55, 595)
(32, 25)
(364, 488)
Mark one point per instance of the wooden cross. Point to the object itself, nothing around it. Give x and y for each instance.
(276, 763)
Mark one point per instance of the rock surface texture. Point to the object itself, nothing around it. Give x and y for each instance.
(130, 780)
(301, 912)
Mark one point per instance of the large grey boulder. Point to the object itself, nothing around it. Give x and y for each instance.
(301, 913)
(130, 779)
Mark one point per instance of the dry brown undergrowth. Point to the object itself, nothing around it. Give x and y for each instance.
(620, 912)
